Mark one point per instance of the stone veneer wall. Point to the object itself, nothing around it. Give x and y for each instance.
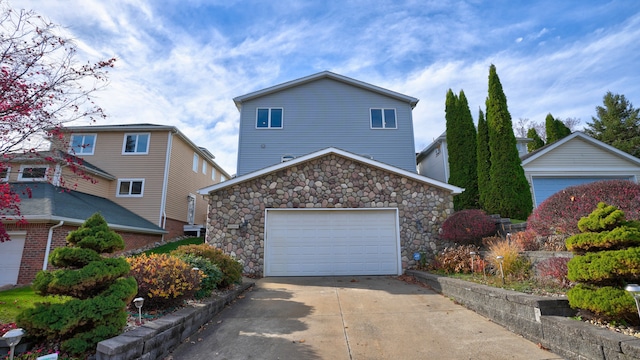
(331, 181)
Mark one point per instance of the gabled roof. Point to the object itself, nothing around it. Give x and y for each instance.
(60, 157)
(324, 75)
(240, 179)
(439, 140)
(527, 158)
(51, 203)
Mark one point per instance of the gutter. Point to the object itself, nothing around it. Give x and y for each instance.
(49, 241)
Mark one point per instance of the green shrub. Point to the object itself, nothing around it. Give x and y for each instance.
(560, 213)
(100, 289)
(164, 281)
(606, 267)
(618, 238)
(468, 227)
(212, 276)
(231, 268)
(605, 302)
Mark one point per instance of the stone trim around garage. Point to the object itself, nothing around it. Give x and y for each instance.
(155, 339)
(236, 218)
(542, 320)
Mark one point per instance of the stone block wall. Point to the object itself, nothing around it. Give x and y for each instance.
(236, 213)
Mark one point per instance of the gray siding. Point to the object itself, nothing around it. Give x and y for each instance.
(321, 114)
(433, 166)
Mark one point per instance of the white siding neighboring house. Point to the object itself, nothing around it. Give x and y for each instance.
(573, 160)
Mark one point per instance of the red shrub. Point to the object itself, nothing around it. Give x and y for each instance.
(526, 240)
(559, 214)
(468, 227)
(554, 268)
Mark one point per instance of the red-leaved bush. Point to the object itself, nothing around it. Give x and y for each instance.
(555, 269)
(559, 214)
(468, 227)
(526, 240)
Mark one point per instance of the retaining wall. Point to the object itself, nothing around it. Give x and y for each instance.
(155, 339)
(543, 320)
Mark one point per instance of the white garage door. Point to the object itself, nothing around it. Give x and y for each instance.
(543, 187)
(332, 242)
(10, 258)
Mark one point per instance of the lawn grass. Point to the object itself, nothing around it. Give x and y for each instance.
(167, 248)
(14, 301)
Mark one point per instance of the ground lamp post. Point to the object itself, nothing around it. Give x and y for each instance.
(473, 254)
(138, 302)
(634, 289)
(500, 260)
(12, 338)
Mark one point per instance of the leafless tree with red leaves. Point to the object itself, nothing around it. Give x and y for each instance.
(42, 87)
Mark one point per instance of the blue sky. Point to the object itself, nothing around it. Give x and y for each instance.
(181, 62)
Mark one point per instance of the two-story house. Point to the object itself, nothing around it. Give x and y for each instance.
(327, 182)
(143, 179)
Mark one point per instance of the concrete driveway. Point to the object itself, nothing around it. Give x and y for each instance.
(366, 317)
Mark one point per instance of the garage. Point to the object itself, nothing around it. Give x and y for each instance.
(303, 242)
(10, 258)
(543, 187)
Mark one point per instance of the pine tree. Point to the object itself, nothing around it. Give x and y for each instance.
(617, 123)
(508, 193)
(484, 160)
(461, 145)
(537, 143)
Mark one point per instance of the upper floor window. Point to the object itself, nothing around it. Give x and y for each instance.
(213, 173)
(83, 144)
(223, 178)
(204, 167)
(4, 174)
(196, 159)
(33, 173)
(130, 188)
(136, 144)
(269, 118)
(383, 118)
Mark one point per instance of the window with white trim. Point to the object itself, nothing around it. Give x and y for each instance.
(196, 159)
(223, 178)
(83, 144)
(33, 173)
(4, 174)
(383, 119)
(269, 118)
(213, 173)
(130, 188)
(204, 167)
(136, 144)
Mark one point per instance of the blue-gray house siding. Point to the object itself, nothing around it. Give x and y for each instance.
(325, 112)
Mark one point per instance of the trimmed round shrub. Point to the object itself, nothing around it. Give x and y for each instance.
(164, 281)
(606, 267)
(605, 302)
(212, 276)
(468, 227)
(231, 268)
(560, 213)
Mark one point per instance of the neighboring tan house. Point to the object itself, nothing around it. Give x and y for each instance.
(433, 161)
(143, 179)
(573, 160)
(327, 183)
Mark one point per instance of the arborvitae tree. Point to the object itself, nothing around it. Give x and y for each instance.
(461, 145)
(484, 160)
(100, 287)
(562, 130)
(508, 194)
(537, 143)
(550, 126)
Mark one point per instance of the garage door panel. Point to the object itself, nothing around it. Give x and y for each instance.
(346, 242)
(544, 187)
(10, 259)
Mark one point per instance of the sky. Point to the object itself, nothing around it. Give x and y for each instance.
(181, 62)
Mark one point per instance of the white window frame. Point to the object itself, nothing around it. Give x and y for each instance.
(83, 150)
(223, 178)
(6, 177)
(22, 170)
(269, 121)
(124, 144)
(395, 112)
(130, 181)
(213, 173)
(204, 167)
(196, 161)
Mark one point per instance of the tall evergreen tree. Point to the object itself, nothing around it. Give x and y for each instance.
(617, 123)
(537, 143)
(550, 126)
(509, 193)
(461, 145)
(484, 160)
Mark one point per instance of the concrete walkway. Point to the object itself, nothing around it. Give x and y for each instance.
(366, 317)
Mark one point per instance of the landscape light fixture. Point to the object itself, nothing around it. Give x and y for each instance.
(473, 254)
(12, 338)
(138, 302)
(500, 260)
(634, 289)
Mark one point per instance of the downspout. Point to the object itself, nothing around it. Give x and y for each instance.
(162, 221)
(49, 241)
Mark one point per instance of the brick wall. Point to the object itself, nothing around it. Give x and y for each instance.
(174, 227)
